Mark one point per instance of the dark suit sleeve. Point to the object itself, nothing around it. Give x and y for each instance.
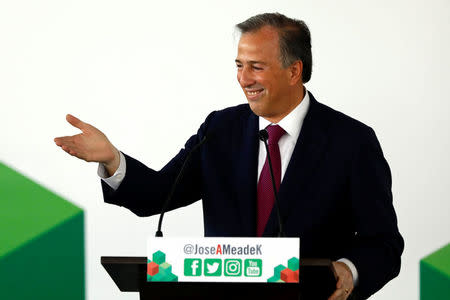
(144, 190)
(377, 245)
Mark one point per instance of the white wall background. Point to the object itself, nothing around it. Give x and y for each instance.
(148, 73)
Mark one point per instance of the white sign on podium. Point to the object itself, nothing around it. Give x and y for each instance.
(223, 259)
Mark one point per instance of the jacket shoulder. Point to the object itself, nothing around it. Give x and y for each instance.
(228, 115)
(238, 111)
(340, 119)
(340, 124)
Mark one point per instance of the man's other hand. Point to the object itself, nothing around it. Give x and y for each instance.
(90, 145)
(344, 286)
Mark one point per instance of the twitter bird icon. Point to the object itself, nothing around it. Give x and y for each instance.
(213, 267)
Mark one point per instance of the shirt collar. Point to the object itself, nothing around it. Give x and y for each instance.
(292, 123)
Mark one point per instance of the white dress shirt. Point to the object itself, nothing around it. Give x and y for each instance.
(292, 125)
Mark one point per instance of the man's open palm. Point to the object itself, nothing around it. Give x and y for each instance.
(90, 145)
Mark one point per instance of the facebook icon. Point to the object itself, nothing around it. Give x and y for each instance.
(192, 267)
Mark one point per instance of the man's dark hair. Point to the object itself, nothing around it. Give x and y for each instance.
(295, 38)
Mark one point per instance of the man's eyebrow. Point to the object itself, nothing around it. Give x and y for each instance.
(252, 62)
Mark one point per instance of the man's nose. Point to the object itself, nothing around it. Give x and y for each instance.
(244, 77)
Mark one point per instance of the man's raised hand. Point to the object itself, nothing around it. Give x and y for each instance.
(90, 145)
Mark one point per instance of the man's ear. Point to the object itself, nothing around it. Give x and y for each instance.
(295, 72)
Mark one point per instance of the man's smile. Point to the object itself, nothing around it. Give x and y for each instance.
(253, 94)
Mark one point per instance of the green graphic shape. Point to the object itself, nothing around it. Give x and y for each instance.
(159, 257)
(213, 267)
(159, 269)
(171, 277)
(192, 267)
(253, 267)
(435, 275)
(291, 273)
(40, 233)
(277, 271)
(293, 264)
(233, 267)
(165, 268)
(158, 277)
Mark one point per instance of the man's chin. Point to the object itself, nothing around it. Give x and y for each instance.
(256, 109)
(259, 111)
(263, 112)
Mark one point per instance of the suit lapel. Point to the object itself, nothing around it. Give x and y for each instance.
(245, 151)
(306, 156)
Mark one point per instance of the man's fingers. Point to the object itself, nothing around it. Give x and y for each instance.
(67, 143)
(338, 294)
(90, 145)
(74, 151)
(69, 140)
(68, 150)
(60, 141)
(65, 140)
(339, 283)
(74, 121)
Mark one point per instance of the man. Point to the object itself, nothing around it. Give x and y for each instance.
(333, 182)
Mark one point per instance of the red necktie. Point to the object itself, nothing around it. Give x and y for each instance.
(266, 197)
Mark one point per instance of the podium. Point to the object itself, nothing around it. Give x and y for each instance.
(317, 282)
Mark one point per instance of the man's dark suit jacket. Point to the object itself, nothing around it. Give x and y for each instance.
(335, 195)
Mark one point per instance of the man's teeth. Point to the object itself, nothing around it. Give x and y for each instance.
(254, 92)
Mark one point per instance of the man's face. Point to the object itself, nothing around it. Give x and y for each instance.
(265, 82)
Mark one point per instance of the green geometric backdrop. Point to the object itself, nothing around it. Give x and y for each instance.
(41, 242)
(435, 275)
